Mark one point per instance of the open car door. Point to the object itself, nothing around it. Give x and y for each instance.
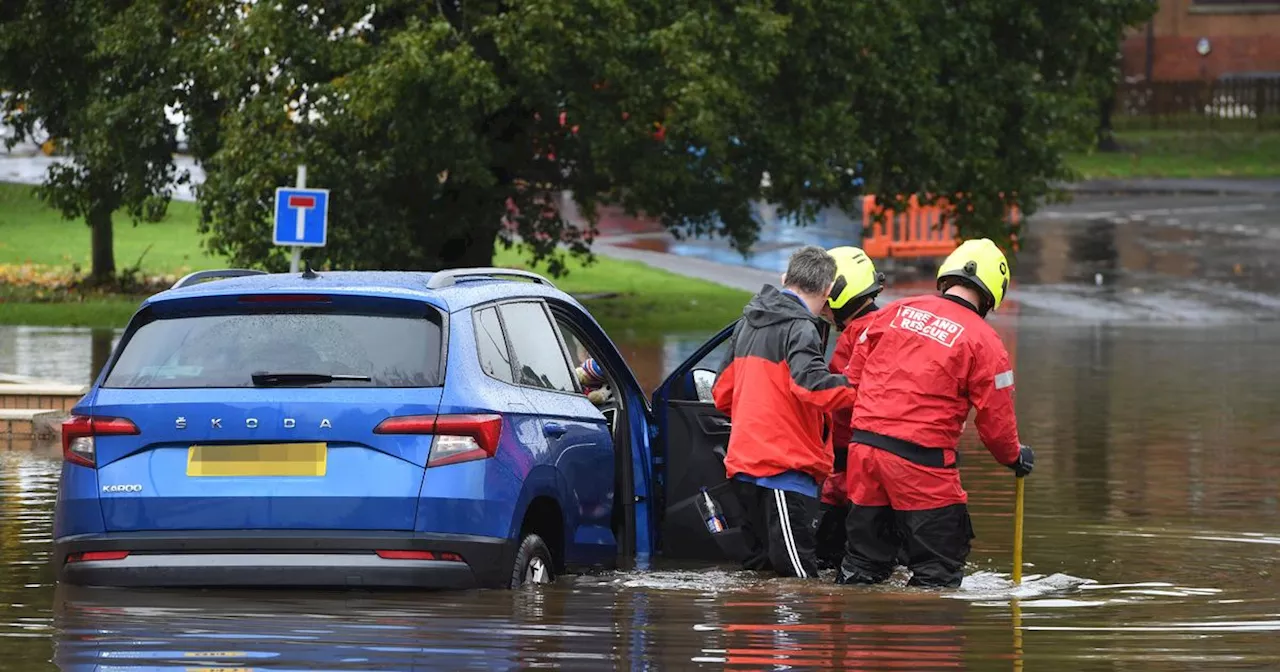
(689, 455)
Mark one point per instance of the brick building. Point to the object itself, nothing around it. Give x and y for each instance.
(1242, 36)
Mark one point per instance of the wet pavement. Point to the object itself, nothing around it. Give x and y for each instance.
(1153, 512)
(1112, 259)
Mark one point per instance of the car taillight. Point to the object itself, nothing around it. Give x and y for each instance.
(97, 556)
(419, 555)
(78, 434)
(458, 438)
(407, 424)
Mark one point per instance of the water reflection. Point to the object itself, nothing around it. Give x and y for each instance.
(1157, 482)
(70, 355)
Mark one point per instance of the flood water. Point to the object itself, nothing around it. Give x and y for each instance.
(1153, 511)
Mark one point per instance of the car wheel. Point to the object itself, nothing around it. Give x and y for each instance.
(533, 563)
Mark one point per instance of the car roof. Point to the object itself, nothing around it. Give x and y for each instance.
(472, 287)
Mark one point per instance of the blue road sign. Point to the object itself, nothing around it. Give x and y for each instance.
(302, 217)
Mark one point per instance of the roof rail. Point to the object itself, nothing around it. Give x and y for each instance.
(448, 278)
(220, 274)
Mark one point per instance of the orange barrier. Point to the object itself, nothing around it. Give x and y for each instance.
(918, 232)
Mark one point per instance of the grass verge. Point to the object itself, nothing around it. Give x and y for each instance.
(33, 233)
(1186, 154)
(639, 303)
(644, 303)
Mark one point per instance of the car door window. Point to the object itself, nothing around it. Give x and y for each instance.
(578, 352)
(491, 346)
(700, 375)
(540, 357)
(712, 360)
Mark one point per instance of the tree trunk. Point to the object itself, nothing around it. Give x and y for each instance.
(468, 241)
(1106, 138)
(104, 258)
(472, 248)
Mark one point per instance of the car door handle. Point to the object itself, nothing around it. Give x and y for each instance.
(553, 430)
(714, 424)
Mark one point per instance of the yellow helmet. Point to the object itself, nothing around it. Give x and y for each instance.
(856, 278)
(980, 263)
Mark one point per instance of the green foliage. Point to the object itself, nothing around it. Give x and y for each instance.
(437, 120)
(442, 126)
(97, 76)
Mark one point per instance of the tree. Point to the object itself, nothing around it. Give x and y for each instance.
(433, 123)
(441, 127)
(97, 75)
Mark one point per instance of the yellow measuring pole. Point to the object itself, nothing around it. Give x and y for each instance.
(1017, 632)
(1017, 532)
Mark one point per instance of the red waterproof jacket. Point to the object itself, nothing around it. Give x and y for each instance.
(833, 490)
(776, 389)
(842, 419)
(919, 368)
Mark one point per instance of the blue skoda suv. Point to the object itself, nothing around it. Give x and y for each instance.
(380, 429)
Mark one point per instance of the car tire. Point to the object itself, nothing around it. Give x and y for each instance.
(534, 564)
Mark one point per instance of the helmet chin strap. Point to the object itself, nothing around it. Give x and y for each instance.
(867, 307)
(869, 303)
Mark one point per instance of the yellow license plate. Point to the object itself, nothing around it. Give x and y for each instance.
(266, 459)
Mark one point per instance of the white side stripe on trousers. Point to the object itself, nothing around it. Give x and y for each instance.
(788, 540)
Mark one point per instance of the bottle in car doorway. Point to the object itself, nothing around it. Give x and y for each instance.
(711, 514)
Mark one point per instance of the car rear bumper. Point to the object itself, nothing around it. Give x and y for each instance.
(284, 558)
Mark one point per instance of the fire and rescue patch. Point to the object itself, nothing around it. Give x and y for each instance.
(927, 324)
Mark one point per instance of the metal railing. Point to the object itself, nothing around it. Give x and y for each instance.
(1246, 103)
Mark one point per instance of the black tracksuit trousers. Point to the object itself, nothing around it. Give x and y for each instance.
(778, 529)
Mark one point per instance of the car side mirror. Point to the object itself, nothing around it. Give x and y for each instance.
(703, 381)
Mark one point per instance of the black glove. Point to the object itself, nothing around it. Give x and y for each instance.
(1026, 462)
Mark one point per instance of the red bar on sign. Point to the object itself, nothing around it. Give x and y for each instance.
(302, 201)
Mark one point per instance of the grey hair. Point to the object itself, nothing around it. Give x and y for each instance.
(811, 270)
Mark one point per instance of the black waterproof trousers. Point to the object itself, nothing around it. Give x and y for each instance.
(778, 529)
(831, 535)
(936, 544)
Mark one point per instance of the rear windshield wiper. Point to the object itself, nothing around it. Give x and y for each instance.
(282, 379)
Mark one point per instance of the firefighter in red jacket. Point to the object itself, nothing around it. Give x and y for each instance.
(851, 307)
(920, 367)
(776, 389)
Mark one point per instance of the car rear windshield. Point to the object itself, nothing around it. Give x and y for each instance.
(227, 350)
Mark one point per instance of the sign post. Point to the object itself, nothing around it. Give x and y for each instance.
(296, 252)
(302, 218)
